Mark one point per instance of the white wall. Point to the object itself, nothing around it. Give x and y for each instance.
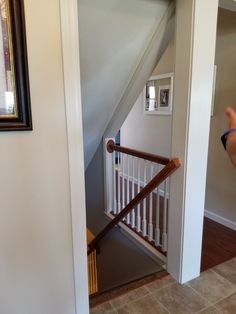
(36, 261)
(221, 177)
(151, 133)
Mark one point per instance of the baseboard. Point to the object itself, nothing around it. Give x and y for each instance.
(221, 220)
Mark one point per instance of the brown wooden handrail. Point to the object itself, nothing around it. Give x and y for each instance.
(111, 146)
(156, 181)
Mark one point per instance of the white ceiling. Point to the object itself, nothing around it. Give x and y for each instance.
(228, 4)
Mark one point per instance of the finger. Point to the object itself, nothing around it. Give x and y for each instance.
(231, 114)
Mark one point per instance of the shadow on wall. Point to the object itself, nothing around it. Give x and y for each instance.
(94, 185)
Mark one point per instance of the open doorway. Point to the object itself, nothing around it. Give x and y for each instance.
(219, 237)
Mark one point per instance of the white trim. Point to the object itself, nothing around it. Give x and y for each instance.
(194, 65)
(70, 48)
(213, 91)
(156, 255)
(161, 76)
(221, 220)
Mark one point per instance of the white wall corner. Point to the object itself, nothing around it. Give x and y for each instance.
(194, 66)
(71, 64)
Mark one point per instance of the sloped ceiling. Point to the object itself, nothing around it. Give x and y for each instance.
(113, 37)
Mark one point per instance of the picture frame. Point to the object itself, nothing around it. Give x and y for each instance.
(15, 109)
(163, 96)
(158, 93)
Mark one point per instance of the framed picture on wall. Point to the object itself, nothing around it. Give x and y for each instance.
(15, 111)
(158, 94)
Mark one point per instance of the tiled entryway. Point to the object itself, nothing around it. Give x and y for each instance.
(214, 292)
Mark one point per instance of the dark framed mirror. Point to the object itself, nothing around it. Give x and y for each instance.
(15, 111)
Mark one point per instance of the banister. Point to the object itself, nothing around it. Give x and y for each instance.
(111, 146)
(156, 181)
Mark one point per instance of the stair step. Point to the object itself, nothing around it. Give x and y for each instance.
(99, 298)
(92, 267)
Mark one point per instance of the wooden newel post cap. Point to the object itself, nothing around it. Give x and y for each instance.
(177, 162)
(110, 146)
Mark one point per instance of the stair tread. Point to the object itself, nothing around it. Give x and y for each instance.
(99, 298)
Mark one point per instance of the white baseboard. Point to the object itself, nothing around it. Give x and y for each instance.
(221, 220)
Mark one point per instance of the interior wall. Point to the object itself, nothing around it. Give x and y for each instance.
(36, 261)
(114, 34)
(221, 177)
(151, 133)
(95, 204)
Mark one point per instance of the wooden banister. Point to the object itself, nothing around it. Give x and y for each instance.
(111, 146)
(156, 181)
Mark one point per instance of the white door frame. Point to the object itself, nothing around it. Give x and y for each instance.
(194, 69)
(179, 259)
(71, 67)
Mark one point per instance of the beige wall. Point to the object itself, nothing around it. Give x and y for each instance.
(153, 133)
(36, 263)
(150, 132)
(221, 179)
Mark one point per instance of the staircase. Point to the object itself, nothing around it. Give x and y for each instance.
(139, 206)
(137, 195)
(92, 267)
(120, 44)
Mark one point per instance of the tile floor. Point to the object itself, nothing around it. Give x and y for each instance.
(214, 292)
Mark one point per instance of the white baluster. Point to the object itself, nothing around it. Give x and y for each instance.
(164, 234)
(144, 220)
(118, 182)
(138, 222)
(127, 192)
(133, 185)
(157, 227)
(108, 178)
(114, 184)
(123, 182)
(150, 224)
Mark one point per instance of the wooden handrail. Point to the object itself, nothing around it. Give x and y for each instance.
(156, 181)
(111, 146)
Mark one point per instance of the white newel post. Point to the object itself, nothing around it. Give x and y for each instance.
(194, 65)
(109, 177)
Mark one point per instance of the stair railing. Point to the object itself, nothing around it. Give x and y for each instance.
(126, 205)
